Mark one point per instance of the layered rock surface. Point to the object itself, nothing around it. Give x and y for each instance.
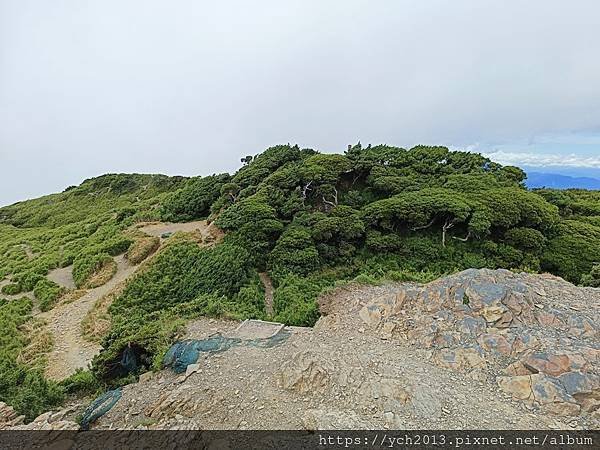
(537, 336)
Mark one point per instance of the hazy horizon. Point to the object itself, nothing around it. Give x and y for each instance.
(187, 88)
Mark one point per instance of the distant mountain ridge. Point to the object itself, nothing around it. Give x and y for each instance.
(556, 181)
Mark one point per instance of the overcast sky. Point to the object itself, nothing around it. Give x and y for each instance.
(188, 87)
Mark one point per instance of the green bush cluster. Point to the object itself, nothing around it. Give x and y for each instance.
(295, 300)
(28, 280)
(593, 278)
(184, 280)
(81, 383)
(47, 292)
(86, 265)
(194, 199)
(11, 289)
(22, 387)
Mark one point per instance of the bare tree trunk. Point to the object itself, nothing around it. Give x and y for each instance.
(334, 203)
(305, 189)
(447, 225)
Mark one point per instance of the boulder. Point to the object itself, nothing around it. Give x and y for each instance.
(548, 363)
(584, 388)
(494, 342)
(518, 386)
(524, 342)
(176, 401)
(517, 369)
(371, 315)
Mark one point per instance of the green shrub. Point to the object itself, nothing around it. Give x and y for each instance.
(28, 280)
(194, 200)
(85, 265)
(47, 292)
(295, 252)
(183, 281)
(115, 246)
(573, 251)
(526, 239)
(294, 301)
(23, 388)
(181, 272)
(593, 278)
(82, 382)
(364, 278)
(35, 394)
(11, 289)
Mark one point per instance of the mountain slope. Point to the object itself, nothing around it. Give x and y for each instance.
(307, 220)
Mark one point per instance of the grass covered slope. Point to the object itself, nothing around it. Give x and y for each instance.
(79, 227)
(82, 227)
(309, 220)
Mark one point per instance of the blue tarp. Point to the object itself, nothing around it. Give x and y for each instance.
(183, 353)
(99, 407)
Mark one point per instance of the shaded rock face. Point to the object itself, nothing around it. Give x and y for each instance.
(538, 336)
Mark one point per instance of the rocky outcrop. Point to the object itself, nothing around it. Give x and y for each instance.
(8, 417)
(49, 421)
(538, 336)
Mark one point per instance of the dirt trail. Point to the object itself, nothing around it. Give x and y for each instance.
(266, 281)
(63, 276)
(71, 351)
(159, 228)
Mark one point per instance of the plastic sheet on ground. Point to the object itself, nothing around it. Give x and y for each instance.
(183, 353)
(99, 407)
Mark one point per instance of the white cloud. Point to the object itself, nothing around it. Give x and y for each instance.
(544, 159)
(110, 86)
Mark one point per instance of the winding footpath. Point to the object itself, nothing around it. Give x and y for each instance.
(71, 351)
